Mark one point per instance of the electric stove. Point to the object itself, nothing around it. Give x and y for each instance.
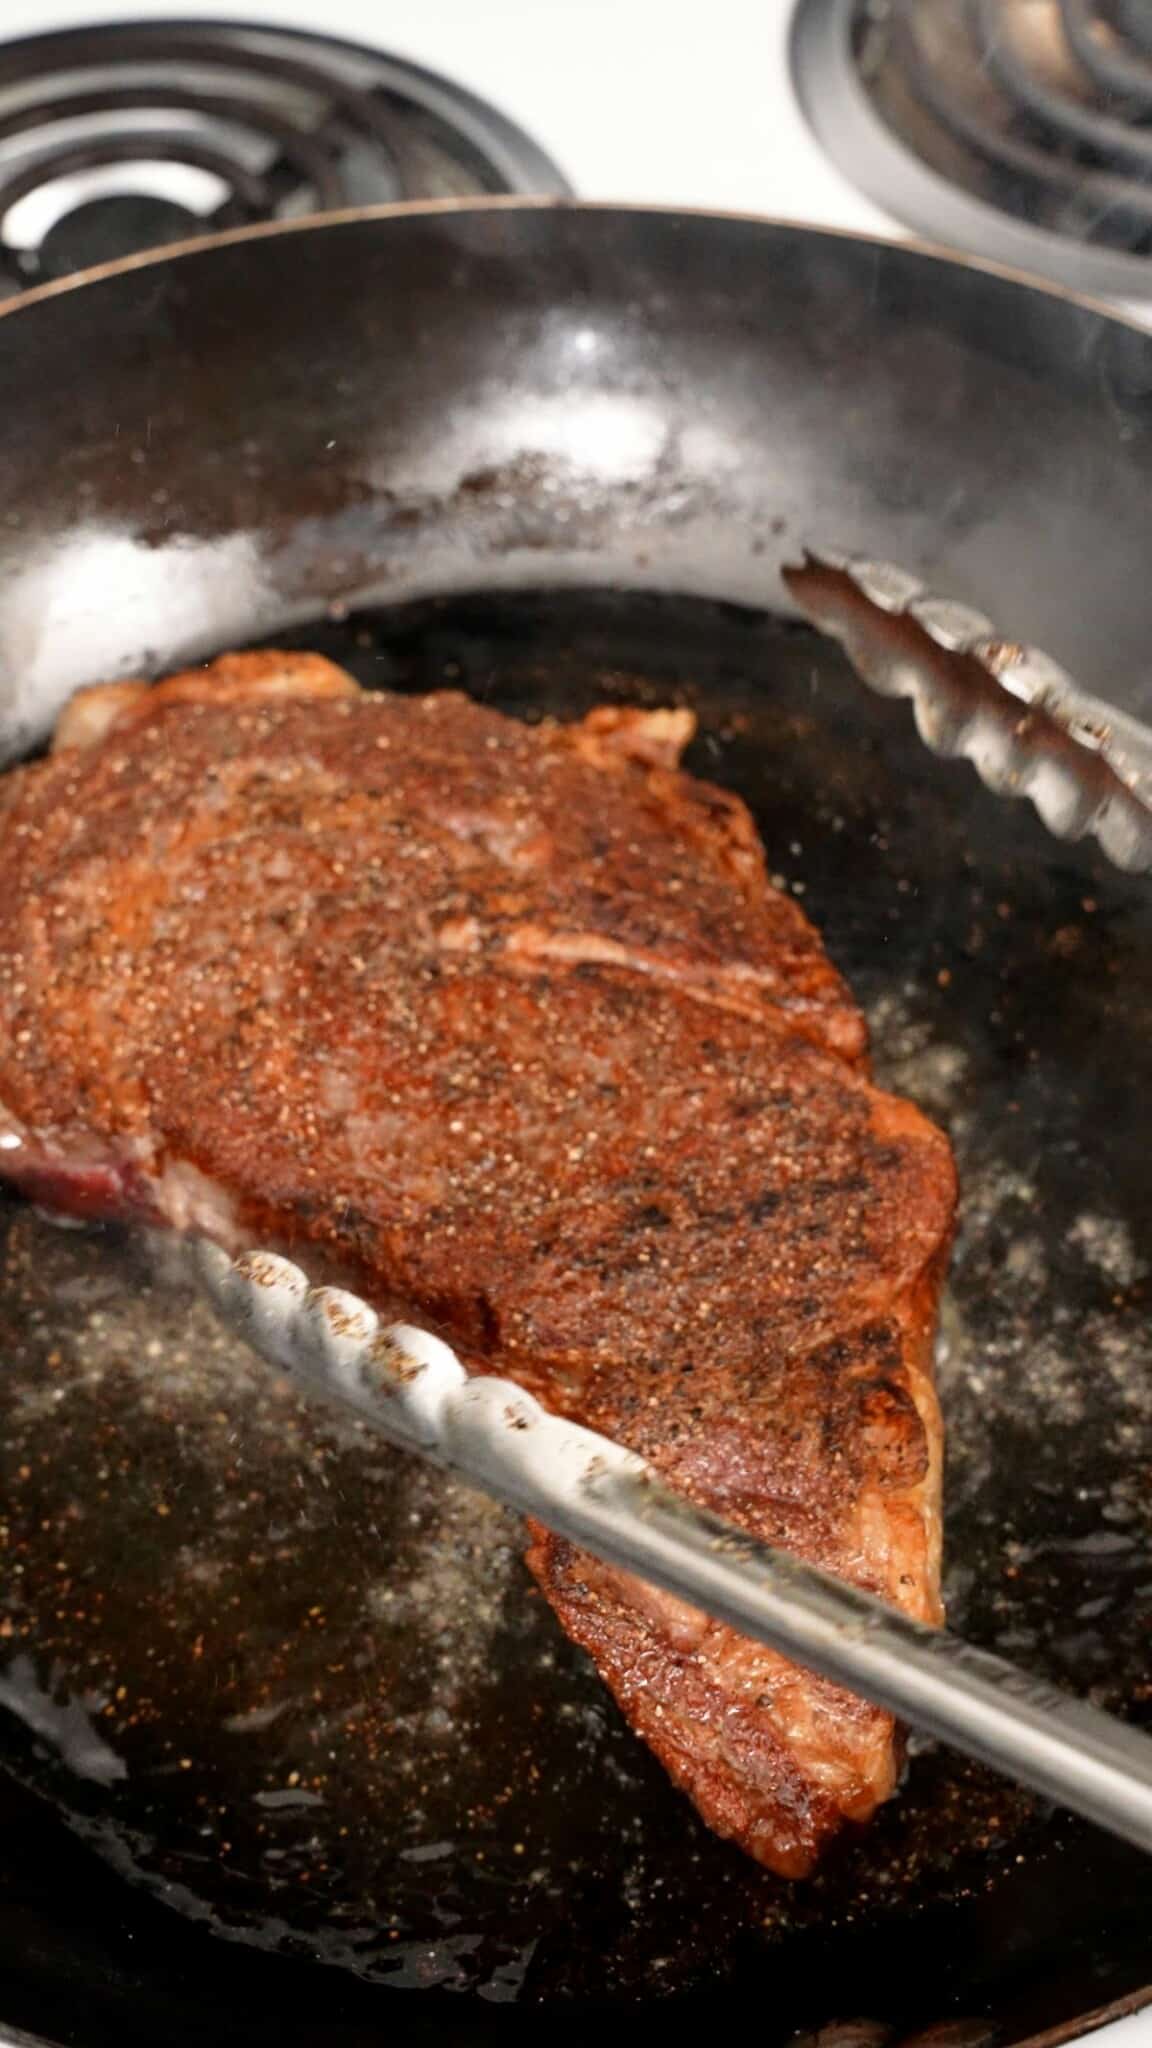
(1013, 130)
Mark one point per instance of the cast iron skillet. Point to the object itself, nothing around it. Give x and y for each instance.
(292, 1753)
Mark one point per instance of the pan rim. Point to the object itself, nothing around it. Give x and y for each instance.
(1128, 2007)
(547, 203)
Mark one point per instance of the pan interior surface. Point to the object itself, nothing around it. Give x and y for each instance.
(293, 1751)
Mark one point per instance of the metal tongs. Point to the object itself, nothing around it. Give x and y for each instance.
(1025, 725)
(413, 1389)
(1028, 730)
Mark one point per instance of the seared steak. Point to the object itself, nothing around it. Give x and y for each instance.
(508, 1021)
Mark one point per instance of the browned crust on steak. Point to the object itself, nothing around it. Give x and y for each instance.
(92, 714)
(773, 1756)
(510, 1022)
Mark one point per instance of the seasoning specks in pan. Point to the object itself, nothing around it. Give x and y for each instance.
(908, 889)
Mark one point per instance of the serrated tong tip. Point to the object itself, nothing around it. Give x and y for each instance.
(1005, 706)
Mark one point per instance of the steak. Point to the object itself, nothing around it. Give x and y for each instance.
(505, 1024)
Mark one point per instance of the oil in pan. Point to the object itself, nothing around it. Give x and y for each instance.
(302, 1689)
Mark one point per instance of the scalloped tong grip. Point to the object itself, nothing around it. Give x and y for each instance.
(1006, 707)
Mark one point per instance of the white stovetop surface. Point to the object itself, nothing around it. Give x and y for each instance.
(633, 100)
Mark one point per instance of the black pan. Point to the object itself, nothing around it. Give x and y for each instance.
(292, 1752)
